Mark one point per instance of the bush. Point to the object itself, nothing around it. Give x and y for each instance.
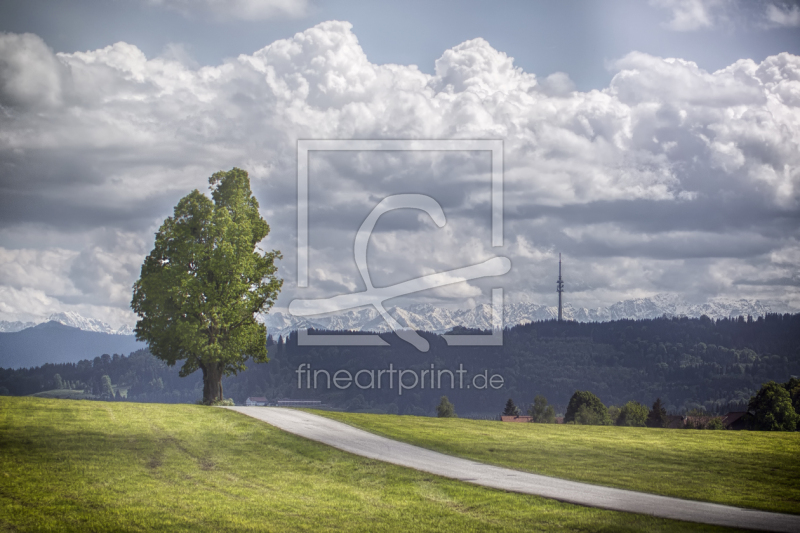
(715, 423)
(227, 402)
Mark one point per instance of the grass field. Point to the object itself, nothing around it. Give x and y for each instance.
(95, 466)
(760, 470)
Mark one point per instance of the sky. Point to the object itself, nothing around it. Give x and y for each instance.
(653, 144)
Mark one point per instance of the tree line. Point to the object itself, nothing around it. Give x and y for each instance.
(692, 365)
(775, 407)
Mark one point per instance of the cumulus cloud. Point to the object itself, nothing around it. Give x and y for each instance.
(236, 9)
(671, 179)
(30, 75)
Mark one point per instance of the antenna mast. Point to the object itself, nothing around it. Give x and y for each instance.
(559, 288)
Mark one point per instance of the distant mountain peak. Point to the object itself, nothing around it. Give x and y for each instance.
(71, 319)
(427, 317)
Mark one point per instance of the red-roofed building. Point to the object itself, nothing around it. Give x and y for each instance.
(516, 419)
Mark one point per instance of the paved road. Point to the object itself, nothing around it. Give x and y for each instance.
(366, 444)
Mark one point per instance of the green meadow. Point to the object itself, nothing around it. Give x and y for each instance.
(94, 466)
(759, 470)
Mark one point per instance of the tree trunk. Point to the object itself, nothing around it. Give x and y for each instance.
(212, 383)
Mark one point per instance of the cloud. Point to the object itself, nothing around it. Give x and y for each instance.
(236, 9)
(671, 179)
(692, 15)
(784, 15)
(30, 75)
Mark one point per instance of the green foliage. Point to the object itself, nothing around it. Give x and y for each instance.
(772, 409)
(585, 408)
(58, 383)
(227, 402)
(793, 388)
(106, 389)
(657, 417)
(203, 282)
(541, 412)
(511, 409)
(445, 409)
(632, 414)
(715, 423)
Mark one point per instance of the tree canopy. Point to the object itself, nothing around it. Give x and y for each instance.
(657, 417)
(204, 281)
(511, 409)
(541, 412)
(586, 408)
(445, 409)
(632, 414)
(772, 408)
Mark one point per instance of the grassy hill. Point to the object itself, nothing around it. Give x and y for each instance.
(752, 469)
(94, 466)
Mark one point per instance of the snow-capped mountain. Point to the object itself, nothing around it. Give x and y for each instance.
(11, 327)
(73, 319)
(426, 317)
(440, 320)
(69, 318)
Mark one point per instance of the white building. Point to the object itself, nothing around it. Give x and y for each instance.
(256, 400)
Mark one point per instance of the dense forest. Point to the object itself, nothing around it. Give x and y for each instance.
(697, 363)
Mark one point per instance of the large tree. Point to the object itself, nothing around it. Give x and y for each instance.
(205, 280)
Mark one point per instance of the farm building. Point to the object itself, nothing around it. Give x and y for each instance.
(256, 400)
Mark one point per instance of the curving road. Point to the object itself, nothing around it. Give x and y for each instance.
(366, 444)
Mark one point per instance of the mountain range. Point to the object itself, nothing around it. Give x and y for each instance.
(426, 317)
(53, 342)
(71, 319)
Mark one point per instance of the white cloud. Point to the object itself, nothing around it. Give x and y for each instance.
(30, 75)
(237, 9)
(692, 15)
(783, 15)
(671, 170)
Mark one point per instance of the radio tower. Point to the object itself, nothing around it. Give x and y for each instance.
(559, 287)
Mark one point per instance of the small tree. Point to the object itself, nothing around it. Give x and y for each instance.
(715, 423)
(772, 409)
(594, 413)
(58, 383)
(540, 412)
(445, 409)
(632, 414)
(106, 389)
(205, 280)
(511, 409)
(657, 417)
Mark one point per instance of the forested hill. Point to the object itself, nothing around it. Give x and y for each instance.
(686, 362)
(51, 342)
